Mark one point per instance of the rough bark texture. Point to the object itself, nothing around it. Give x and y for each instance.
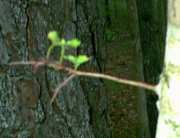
(152, 21)
(143, 131)
(24, 95)
(128, 112)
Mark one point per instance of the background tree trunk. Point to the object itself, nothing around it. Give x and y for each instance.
(152, 24)
(169, 86)
(128, 112)
(25, 109)
(144, 129)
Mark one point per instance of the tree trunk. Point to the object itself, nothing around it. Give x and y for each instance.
(128, 113)
(143, 123)
(169, 86)
(152, 22)
(25, 109)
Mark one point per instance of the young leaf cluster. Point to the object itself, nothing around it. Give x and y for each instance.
(64, 44)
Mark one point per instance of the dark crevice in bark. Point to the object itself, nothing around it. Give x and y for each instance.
(76, 23)
(44, 107)
(94, 48)
(108, 18)
(90, 115)
(46, 80)
(93, 39)
(28, 29)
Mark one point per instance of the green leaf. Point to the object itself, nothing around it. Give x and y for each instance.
(74, 43)
(62, 42)
(77, 60)
(82, 59)
(71, 58)
(53, 36)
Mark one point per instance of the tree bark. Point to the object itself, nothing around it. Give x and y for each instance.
(143, 122)
(25, 109)
(152, 24)
(124, 59)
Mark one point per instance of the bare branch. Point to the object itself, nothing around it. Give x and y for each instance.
(105, 76)
(58, 66)
(60, 86)
(115, 79)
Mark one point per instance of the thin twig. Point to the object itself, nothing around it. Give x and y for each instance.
(105, 76)
(115, 79)
(17, 63)
(61, 85)
(58, 66)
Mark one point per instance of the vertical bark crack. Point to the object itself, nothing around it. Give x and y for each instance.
(29, 35)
